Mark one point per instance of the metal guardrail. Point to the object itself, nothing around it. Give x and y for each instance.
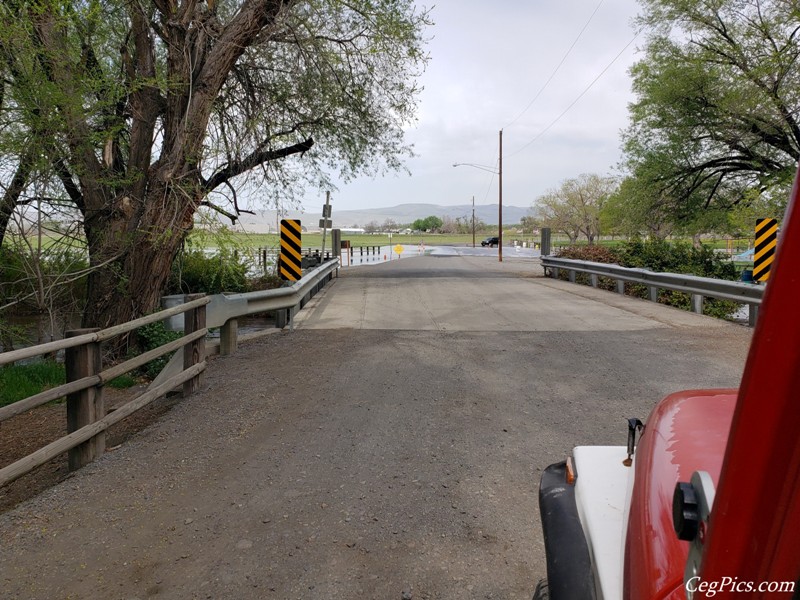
(697, 287)
(224, 310)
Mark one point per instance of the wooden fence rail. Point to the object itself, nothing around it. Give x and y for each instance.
(87, 420)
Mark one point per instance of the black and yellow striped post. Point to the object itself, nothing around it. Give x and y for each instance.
(289, 263)
(766, 240)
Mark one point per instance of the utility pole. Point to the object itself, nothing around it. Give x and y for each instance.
(473, 221)
(500, 202)
(326, 212)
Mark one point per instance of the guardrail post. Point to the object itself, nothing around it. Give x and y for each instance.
(228, 337)
(620, 287)
(697, 303)
(86, 406)
(545, 241)
(753, 316)
(593, 279)
(195, 352)
(554, 272)
(572, 275)
(652, 292)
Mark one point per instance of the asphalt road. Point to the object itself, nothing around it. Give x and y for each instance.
(389, 447)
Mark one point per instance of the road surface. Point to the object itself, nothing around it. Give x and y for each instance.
(390, 447)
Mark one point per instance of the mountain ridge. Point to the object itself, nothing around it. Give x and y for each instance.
(265, 221)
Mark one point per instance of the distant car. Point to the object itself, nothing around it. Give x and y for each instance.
(491, 242)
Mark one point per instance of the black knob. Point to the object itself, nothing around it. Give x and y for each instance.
(685, 515)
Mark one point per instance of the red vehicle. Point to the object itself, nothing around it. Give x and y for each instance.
(707, 505)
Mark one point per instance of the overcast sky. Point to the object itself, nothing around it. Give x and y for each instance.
(488, 63)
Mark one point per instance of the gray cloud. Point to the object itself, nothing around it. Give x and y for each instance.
(487, 63)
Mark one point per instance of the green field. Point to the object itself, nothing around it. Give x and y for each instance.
(314, 240)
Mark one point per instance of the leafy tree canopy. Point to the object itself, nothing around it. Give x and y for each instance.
(574, 207)
(718, 98)
(428, 224)
(138, 113)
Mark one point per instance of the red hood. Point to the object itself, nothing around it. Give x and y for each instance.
(686, 432)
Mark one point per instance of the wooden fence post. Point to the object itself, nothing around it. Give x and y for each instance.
(86, 406)
(195, 352)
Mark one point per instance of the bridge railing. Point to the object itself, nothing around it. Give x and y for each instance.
(698, 287)
(87, 420)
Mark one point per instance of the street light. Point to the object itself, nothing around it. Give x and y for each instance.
(499, 173)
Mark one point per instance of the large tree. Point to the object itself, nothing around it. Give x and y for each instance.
(139, 112)
(718, 96)
(574, 207)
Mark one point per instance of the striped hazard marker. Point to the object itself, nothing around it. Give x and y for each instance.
(290, 260)
(766, 240)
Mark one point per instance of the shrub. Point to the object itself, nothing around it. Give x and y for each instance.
(195, 272)
(150, 337)
(600, 254)
(665, 257)
(265, 282)
(679, 257)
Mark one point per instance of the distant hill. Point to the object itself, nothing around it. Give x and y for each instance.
(265, 221)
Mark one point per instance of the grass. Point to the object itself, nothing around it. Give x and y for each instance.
(122, 382)
(18, 382)
(314, 240)
(21, 381)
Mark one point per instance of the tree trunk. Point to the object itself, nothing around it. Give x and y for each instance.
(138, 260)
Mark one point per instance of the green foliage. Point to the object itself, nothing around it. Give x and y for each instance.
(428, 224)
(269, 281)
(675, 257)
(10, 335)
(716, 108)
(665, 257)
(575, 207)
(196, 272)
(122, 382)
(150, 337)
(305, 92)
(600, 254)
(742, 218)
(21, 381)
(34, 281)
(679, 257)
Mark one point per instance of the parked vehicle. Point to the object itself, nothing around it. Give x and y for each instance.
(707, 503)
(490, 241)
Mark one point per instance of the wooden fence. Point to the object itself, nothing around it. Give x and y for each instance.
(87, 420)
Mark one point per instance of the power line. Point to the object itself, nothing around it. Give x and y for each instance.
(574, 102)
(553, 74)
